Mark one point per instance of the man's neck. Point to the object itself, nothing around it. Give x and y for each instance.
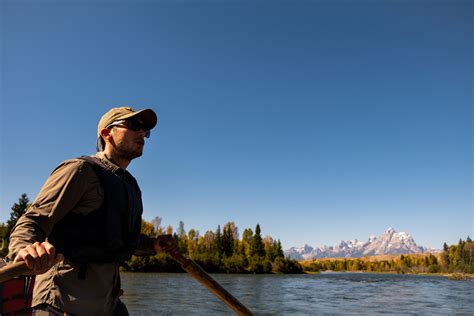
(116, 159)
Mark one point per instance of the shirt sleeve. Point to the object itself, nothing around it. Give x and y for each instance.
(145, 246)
(61, 193)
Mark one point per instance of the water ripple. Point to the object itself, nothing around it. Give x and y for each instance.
(324, 294)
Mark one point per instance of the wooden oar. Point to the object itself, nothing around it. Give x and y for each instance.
(205, 279)
(18, 268)
(12, 270)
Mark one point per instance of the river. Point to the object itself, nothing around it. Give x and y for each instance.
(326, 293)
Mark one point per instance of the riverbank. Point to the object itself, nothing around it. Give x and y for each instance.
(455, 263)
(450, 276)
(461, 277)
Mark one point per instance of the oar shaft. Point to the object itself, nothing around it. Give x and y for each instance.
(205, 279)
(12, 270)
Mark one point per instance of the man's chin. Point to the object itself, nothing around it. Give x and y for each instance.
(133, 155)
(138, 154)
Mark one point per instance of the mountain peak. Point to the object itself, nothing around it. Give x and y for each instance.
(390, 230)
(307, 248)
(390, 242)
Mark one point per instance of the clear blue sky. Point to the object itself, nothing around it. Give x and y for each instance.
(320, 120)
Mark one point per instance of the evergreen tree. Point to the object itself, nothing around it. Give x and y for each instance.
(18, 209)
(218, 241)
(227, 240)
(445, 247)
(279, 252)
(256, 245)
(445, 258)
(234, 231)
(469, 251)
(458, 256)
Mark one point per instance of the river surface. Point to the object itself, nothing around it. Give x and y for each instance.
(326, 293)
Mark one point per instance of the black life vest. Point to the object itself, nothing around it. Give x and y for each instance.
(109, 234)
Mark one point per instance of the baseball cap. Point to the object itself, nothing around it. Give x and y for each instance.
(147, 116)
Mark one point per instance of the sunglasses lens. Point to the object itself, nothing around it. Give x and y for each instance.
(137, 126)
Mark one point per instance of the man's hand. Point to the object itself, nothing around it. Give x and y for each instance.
(166, 243)
(39, 257)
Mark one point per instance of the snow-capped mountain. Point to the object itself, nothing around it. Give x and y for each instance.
(390, 242)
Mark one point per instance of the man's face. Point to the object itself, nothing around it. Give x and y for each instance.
(128, 139)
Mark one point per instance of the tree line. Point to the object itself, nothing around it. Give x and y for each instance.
(401, 264)
(216, 251)
(458, 258)
(453, 259)
(224, 251)
(219, 251)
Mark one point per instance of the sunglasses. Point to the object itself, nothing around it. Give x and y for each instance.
(133, 125)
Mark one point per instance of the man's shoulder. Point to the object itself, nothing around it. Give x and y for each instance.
(78, 164)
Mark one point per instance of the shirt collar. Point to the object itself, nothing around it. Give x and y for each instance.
(110, 165)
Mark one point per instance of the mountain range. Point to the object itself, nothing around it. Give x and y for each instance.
(390, 242)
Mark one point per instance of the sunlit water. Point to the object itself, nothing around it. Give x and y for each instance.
(327, 293)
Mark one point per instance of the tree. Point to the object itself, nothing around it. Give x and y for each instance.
(193, 234)
(157, 225)
(256, 245)
(18, 209)
(247, 236)
(279, 250)
(218, 241)
(207, 242)
(283, 265)
(469, 251)
(445, 258)
(273, 248)
(458, 256)
(148, 229)
(181, 232)
(227, 240)
(3, 238)
(269, 249)
(192, 240)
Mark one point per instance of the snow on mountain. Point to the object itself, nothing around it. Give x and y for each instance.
(390, 242)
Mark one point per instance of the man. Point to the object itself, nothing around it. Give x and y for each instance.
(89, 214)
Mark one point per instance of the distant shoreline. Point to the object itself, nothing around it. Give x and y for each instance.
(451, 276)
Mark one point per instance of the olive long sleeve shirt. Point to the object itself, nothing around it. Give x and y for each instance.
(72, 187)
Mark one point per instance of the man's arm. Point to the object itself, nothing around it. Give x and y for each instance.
(61, 193)
(162, 243)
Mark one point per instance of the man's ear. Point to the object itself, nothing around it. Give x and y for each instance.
(105, 133)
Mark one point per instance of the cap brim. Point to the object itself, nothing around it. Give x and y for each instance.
(148, 116)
